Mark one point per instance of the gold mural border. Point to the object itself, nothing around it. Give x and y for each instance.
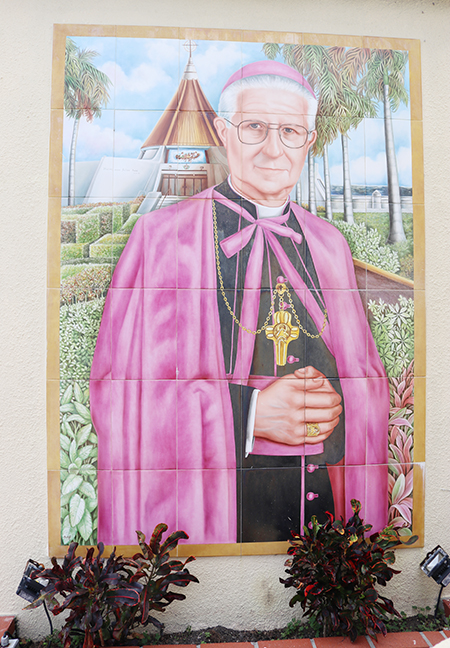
(53, 242)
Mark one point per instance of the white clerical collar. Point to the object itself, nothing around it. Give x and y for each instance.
(262, 210)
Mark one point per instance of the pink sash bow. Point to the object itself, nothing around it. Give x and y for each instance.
(266, 231)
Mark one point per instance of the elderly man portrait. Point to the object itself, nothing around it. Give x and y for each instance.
(236, 388)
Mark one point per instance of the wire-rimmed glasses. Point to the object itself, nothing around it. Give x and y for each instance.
(254, 131)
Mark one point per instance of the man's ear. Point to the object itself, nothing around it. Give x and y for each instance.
(221, 128)
(312, 139)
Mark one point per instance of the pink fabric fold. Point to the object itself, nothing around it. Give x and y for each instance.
(169, 260)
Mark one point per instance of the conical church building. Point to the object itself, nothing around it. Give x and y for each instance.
(186, 145)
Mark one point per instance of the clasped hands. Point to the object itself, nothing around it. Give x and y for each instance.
(285, 407)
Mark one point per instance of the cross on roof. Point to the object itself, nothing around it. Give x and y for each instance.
(190, 46)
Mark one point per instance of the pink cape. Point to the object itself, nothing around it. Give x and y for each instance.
(159, 392)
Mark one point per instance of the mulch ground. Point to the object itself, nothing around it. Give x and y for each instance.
(219, 634)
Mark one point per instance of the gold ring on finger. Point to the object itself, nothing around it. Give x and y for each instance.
(312, 429)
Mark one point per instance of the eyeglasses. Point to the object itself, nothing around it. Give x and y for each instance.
(254, 132)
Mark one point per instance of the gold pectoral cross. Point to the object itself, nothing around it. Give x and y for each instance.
(282, 333)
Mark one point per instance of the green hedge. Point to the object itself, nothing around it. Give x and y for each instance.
(127, 227)
(90, 283)
(365, 245)
(88, 228)
(78, 329)
(110, 245)
(74, 251)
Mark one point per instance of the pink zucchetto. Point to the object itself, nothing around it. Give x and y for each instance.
(269, 67)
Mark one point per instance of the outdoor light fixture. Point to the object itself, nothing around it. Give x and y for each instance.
(30, 589)
(436, 565)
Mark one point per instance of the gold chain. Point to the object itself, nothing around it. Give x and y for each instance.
(280, 289)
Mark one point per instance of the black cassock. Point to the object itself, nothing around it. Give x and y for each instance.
(269, 488)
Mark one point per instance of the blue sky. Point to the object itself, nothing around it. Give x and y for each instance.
(145, 74)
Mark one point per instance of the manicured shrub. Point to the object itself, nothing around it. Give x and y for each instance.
(127, 227)
(365, 245)
(89, 283)
(78, 329)
(109, 246)
(68, 231)
(88, 227)
(71, 251)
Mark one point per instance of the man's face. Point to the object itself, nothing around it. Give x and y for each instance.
(265, 172)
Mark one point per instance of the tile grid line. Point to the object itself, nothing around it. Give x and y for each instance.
(370, 642)
(423, 635)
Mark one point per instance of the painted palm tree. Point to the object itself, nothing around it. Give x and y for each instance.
(85, 93)
(333, 73)
(314, 62)
(385, 82)
(352, 108)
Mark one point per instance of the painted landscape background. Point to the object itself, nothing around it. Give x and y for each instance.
(359, 177)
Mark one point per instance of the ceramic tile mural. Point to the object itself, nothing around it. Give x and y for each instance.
(237, 277)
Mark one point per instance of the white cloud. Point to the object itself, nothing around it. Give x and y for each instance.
(163, 52)
(372, 170)
(95, 141)
(142, 78)
(404, 166)
(216, 59)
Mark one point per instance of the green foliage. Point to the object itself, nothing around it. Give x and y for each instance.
(74, 211)
(88, 227)
(78, 462)
(85, 86)
(78, 329)
(110, 245)
(71, 270)
(334, 569)
(88, 283)
(424, 621)
(71, 251)
(292, 629)
(393, 331)
(108, 597)
(365, 245)
(127, 227)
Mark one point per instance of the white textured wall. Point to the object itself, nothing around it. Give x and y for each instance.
(237, 592)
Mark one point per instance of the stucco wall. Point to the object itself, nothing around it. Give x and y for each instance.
(236, 592)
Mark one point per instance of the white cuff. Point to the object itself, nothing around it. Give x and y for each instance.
(250, 439)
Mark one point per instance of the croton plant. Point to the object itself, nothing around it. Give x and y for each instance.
(110, 596)
(334, 568)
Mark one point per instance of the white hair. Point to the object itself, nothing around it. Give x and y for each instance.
(228, 102)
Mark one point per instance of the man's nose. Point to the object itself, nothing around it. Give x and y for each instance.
(273, 144)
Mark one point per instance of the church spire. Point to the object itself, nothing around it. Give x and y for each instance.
(190, 73)
(189, 118)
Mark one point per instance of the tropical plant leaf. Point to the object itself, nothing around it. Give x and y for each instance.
(87, 489)
(84, 433)
(71, 484)
(77, 507)
(85, 525)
